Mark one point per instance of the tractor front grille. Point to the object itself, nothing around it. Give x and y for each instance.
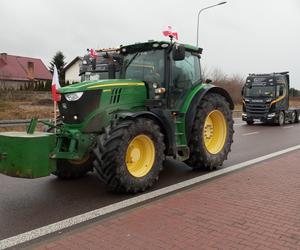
(74, 112)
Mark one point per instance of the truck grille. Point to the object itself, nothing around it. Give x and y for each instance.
(74, 112)
(257, 108)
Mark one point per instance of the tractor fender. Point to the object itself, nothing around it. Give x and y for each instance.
(162, 120)
(191, 112)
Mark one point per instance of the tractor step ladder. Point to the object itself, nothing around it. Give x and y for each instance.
(182, 150)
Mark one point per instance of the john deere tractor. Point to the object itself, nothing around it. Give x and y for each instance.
(125, 128)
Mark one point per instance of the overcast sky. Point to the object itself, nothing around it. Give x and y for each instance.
(240, 37)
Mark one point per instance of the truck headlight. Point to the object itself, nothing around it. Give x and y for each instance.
(71, 97)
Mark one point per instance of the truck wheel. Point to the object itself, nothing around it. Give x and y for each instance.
(129, 157)
(212, 133)
(297, 117)
(249, 122)
(72, 169)
(281, 118)
(293, 117)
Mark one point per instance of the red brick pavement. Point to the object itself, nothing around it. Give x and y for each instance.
(255, 208)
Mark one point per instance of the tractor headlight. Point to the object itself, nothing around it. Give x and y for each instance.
(71, 97)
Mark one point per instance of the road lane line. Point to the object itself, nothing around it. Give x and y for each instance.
(66, 223)
(239, 124)
(288, 127)
(252, 133)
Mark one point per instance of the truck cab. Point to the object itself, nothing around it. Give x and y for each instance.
(266, 99)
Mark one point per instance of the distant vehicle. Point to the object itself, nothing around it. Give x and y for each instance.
(266, 99)
(95, 65)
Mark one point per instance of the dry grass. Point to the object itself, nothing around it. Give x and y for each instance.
(13, 110)
(25, 109)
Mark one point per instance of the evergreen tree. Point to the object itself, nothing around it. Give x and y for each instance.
(59, 61)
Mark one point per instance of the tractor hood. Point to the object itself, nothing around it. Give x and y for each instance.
(100, 84)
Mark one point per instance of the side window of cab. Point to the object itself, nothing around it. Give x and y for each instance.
(186, 73)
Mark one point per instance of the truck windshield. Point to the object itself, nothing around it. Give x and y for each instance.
(144, 66)
(257, 91)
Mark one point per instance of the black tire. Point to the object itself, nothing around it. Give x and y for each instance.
(250, 122)
(200, 157)
(293, 117)
(66, 169)
(281, 119)
(297, 117)
(110, 155)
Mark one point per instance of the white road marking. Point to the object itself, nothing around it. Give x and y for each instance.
(252, 133)
(288, 127)
(63, 224)
(239, 124)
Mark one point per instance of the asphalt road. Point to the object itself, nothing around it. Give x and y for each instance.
(29, 204)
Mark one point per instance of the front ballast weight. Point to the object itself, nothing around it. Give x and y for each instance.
(34, 154)
(26, 154)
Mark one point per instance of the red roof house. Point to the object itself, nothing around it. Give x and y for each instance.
(16, 71)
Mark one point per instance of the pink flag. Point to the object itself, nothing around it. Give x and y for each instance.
(55, 85)
(93, 53)
(170, 33)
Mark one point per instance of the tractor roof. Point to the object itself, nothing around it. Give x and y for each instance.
(155, 44)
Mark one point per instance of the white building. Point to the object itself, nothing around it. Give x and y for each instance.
(72, 70)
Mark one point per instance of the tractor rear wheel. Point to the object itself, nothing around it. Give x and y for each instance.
(72, 169)
(212, 133)
(129, 156)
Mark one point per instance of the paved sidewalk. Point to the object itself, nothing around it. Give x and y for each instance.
(255, 208)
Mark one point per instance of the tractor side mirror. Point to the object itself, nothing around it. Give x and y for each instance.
(178, 52)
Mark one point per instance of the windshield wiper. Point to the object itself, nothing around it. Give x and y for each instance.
(130, 61)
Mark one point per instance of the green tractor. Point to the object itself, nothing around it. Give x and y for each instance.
(125, 128)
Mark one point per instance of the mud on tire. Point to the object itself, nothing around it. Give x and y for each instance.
(110, 155)
(200, 157)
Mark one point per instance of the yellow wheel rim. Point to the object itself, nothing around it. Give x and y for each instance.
(140, 156)
(215, 132)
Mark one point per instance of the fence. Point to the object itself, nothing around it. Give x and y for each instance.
(13, 123)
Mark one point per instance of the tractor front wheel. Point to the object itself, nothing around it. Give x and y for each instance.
(129, 156)
(212, 133)
(72, 169)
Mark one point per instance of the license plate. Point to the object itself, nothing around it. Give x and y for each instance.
(256, 120)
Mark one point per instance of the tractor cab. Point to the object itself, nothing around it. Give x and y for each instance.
(170, 70)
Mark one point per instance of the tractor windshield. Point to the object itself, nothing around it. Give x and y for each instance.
(146, 66)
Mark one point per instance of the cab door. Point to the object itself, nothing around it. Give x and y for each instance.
(184, 75)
